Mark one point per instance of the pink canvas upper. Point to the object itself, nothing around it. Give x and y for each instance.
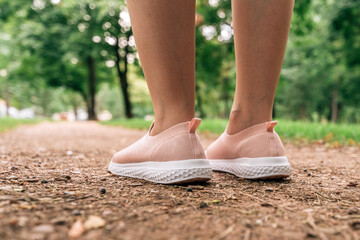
(179, 142)
(259, 140)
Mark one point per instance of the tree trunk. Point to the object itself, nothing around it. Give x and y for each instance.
(303, 112)
(126, 96)
(92, 89)
(45, 101)
(334, 105)
(123, 80)
(75, 111)
(86, 100)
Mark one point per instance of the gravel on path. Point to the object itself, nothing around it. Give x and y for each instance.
(54, 184)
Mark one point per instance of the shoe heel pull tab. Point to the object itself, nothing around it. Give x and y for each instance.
(270, 126)
(194, 124)
(151, 126)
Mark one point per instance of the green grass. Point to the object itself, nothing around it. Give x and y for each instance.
(136, 123)
(348, 134)
(343, 134)
(9, 123)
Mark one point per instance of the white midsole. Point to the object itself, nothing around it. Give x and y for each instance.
(179, 164)
(165, 172)
(260, 161)
(253, 168)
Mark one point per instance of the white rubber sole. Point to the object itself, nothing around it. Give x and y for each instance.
(254, 168)
(181, 171)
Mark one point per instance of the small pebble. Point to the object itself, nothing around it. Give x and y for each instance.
(69, 193)
(58, 221)
(103, 191)
(189, 189)
(44, 181)
(352, 184)
(311, 235)
(76, 213)
(60, 179)
(265, 204)
(355, 225)
(203, 205)
(305, 170)
(94, 222)
(19, 189)
(12, 177)
(68, 177)
(76, 230)
(353, 211)
(14, 222)
(309, 174)
(107, 212)
(45, 228)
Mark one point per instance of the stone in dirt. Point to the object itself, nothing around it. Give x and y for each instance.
(355, 225)
(58, 221)
(29, 180)
(13, 168)
(13, 222)
(19, 189)
(135, 209)
(352, 184)
(76, 230)
(69, 193)
(45, 228)
(353, 211)
(22, 221)
(76, 212)
(94, 222)
(203, 205)
(107, 212)
(265, 204)
(12, 177)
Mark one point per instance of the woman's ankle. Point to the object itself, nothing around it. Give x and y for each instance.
(239, 121)
(162, 123)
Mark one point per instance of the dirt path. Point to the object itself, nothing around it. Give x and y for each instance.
(51, 175)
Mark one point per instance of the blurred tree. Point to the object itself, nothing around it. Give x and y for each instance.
(68, 38)
(214, 58)
(345, 37)
(321, 70)
(118, 35)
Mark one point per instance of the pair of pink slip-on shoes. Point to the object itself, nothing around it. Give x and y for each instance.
(176, 155)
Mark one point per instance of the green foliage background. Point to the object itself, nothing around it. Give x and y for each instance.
(45, 46)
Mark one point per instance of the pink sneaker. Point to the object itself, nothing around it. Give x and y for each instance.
(254, 153)
(173, 156)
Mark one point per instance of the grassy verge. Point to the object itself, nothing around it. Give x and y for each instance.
(8, 123)
(334, 134)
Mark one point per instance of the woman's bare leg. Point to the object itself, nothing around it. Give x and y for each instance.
(164, 32)
(261, 29)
